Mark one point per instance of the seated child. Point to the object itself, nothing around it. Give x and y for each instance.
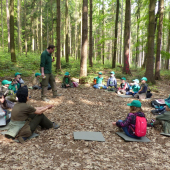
(13, 86)
(163, 119)
(36, 81)
(99, 80)
(25, 118)
(67, 81)
(143, 89)
(135, 87)
(112, 82)
(128, 125)
(19, 79)
(4, 113)
(123, 86)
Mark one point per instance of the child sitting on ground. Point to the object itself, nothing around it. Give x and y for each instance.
(128, 125)
(99, 80)
(143, 89)
(135, 87)
(25, 118)
(123, 86)
(67, 81)
(19, 79)
(13, 86)
(163, 119)
(112, 82)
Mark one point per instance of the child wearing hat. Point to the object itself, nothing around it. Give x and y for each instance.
(19, 79)
(135, 87)
(123, 86)
(143, 89)
(99, 80)
(163, 120)
(112, 82)
(128, 125)
(36, 81)
(5, 85)
(14, 85)
(67, 81)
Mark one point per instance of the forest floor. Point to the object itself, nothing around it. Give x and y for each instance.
(87, 109)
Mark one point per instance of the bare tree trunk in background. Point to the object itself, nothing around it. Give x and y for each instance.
(103, 36)
(115, 41)
(8, 25)
(120, 61)
(150, 57)
(58, 63)
(76, 38)
(32, 36)
(66, 29)
(12, 45)
(41, 34)
(83, 63)
(80, 32)
(159, 40)
(47, 30)
(90, 36)
(2, 27)
(70, 35)
(127, 38)
(25, 26)
(168, 46)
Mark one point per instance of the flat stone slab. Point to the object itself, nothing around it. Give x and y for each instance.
(129, 139)
(125, 96)
(165, 134)
(91, 136)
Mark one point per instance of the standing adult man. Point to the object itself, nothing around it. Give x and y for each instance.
(47, 76)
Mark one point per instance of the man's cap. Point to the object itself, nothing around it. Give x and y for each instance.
(112, 72)
(67, 73)
(17, 73)
(100, 73)
(6, 82)
(13, 79)
(136, 80)
(144, 78)
(51, 46)
(168, 104)
(37, 74)
(135, 103)
(123, 78)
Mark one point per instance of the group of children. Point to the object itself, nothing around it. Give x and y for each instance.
(134, 89)
(24, 118)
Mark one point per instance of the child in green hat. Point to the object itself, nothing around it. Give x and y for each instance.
(112, 82)
(143, 89)
(67, 81)
(99, 80)
(163, 119)
(14, 85)
(128, 125)
(19, 79)
(123, 86)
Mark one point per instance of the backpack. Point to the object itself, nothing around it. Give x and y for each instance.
(75, 84)
(140, 126)
(94, 81)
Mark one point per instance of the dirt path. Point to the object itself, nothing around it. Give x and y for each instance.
(86, 109)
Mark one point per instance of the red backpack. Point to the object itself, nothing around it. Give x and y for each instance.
(140, 126)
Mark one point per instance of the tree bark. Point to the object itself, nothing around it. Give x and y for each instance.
(83, 63)
(159, 40)
(120, 61)
(8, 24)
(12, 45)
(41, 34)
(103, 36)
(168, 46)
(2, 27)
(58, 63)
(150, 57)
(115, 41)
(90, 36)
(66, 29)
(127, 38)
(25, 26)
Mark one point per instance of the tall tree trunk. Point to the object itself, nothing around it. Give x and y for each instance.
(8, 24)
(70, 35)
(90, 37)
(25, 26)
(75, 43)
(47, 29)
(41, 34)
(2, 27)
(150, 57)
(159, 39)
(127, 38)
(120, 61)
(58, 63)
(168, 46)
(83, 62)
(66, 29)
(103, 36)
(12, 45)
(115, 41)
